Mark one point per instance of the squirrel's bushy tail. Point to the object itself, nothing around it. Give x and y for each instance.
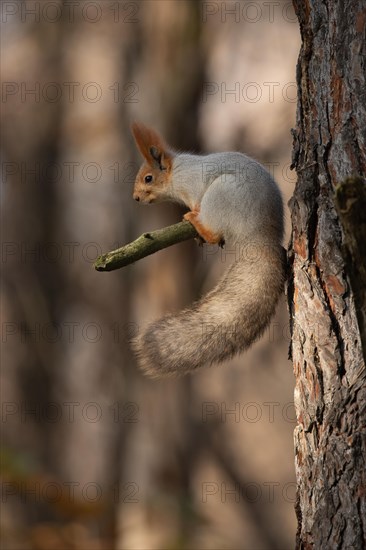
(223, 323)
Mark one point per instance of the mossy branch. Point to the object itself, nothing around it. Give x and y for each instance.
(146, 244)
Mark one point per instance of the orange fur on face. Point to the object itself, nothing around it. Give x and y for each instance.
(158, 165)
(154, 191)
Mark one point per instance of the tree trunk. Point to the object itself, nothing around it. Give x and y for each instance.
(327, 283)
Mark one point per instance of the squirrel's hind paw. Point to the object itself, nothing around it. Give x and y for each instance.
(204, 232)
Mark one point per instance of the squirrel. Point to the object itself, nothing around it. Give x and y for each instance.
(232, 199)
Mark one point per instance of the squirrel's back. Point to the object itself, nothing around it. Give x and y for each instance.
(236, 187)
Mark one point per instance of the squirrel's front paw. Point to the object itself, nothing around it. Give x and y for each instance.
(191, 216)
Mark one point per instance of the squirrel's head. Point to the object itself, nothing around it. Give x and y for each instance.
(153, 179)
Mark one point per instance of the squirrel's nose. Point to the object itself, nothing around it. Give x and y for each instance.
(136, 197)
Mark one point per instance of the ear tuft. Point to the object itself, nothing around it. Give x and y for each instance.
(151, 145)
(156, 154)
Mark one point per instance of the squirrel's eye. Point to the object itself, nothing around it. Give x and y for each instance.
(148, 178)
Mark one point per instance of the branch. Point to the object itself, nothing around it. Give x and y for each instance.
(146, 244)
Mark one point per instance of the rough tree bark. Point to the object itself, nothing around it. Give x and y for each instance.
(326, 291)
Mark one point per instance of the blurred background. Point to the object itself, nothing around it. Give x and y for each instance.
(94, 455)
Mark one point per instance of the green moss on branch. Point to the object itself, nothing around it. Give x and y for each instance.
(146, 244)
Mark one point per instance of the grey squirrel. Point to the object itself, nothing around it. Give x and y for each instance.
(234, 200)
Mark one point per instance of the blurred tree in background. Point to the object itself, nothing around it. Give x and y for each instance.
(93, 454)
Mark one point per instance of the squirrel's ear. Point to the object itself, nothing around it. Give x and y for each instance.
(151, 146)
(161, 157)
